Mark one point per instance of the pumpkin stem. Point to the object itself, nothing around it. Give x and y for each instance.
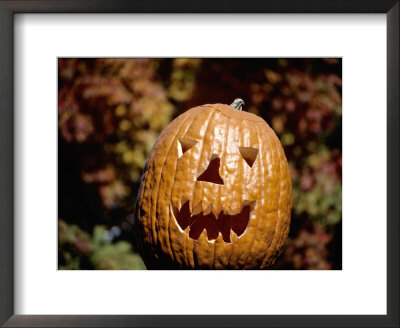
(237, 104)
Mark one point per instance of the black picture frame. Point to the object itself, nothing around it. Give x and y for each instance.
(7, 11)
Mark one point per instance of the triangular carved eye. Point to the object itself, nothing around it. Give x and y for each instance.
(184, 145)
(249, 154)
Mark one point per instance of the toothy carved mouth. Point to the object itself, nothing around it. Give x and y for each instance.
(213, 224)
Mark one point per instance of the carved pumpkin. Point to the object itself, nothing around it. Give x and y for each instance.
(216, 193)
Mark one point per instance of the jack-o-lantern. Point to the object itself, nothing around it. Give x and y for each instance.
(216, 193)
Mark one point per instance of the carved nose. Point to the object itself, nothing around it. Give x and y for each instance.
(211, 173)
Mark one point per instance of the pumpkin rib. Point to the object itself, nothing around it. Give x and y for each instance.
(234, 248)
(283, 224)
(153, 193)
(266, 138)
(281, 220)
(150, 167)
(154, 214)
(217, 202)
(240, 166)
(143, 183)
(275, 210)
(212, 143)
(230, 199)
(257, 170)
(197, 111)
(230, 246)
(218, 194)
(289, 203)
(241, 169)
(207, 125)
(172, 185)
(212, 113)
(228, 122)
(185, 248)
(262, 178)
(272, 244)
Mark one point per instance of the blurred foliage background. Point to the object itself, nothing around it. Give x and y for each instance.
(112, 110)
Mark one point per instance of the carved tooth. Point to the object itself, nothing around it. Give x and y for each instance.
(223, 210)
(234, 237)
(230, 211)
(208, 209)
(187, 230)
(197, 209)
(219, 238)
(203, 237)
(217, 210)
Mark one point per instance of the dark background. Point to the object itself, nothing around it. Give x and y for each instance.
(112, 110)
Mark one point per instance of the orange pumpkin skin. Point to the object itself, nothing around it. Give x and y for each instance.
(172, 184)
